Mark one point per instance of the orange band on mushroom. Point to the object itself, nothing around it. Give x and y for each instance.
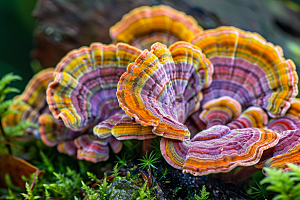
(251, 117)
(248, 69)
(220, 111)
(145, 25)
(164, 86)
(218, 149)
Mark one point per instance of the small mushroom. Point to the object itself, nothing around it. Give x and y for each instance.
(280, 161)
(67, 147)
(294, 110)
(248, 69)
(288, 148)
(104, 128)
(218, 149)
(95, 149)
(288, 140)
(146, 25)
(285, 148)
(251, 117)
(220, 111)
(163, 87)
(291, 120)
(284, 123)
(286, 151)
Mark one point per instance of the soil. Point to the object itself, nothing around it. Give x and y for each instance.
(178, 186)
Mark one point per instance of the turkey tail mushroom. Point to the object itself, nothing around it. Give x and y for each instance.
(163, 87)
(83, 92)
(145, 25)
(218, 149)
(220, 111)
(290, 121)
(287, 150)
(251, 117)
(248, 69)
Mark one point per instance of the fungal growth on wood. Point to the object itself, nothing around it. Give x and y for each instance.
(220, 98)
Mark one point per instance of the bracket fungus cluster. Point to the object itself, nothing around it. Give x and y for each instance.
(219, 98)
(32, 106)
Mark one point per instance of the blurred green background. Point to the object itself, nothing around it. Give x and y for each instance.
(16, 39)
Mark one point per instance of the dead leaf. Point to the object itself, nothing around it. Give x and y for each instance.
(15, 168)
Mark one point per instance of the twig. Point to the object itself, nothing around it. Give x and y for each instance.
(9, 143)
(33, 181)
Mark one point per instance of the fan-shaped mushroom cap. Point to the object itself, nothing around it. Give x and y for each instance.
(94, 149)
(280, 161)
(291, 120)
(123, 127)
(127, 128)
(32, 102)
(288, 140)
(145, 25)
(163, 87)
(248, 69)
(251, 117)
(286, 151)
(104, 128)
(83, 92)
(294, 110)
(220, 111)
(67, 147)
(218, 149)
(284, 123)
